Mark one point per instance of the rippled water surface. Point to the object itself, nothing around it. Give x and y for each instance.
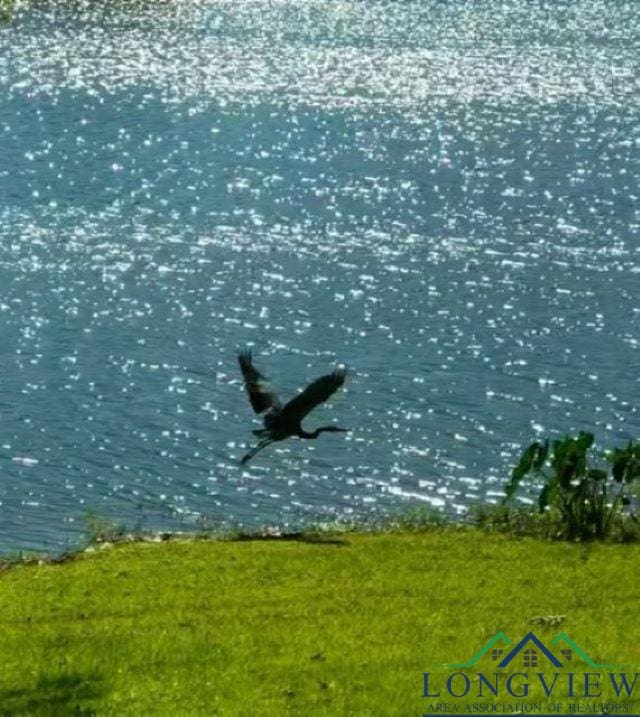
(442, 195)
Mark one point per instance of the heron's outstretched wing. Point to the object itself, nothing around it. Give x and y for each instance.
(260, 395)
(314, 394)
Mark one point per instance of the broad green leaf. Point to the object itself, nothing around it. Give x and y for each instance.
(541, 455)
(543, 498)
(526, 461)
(585, 440)
(619, 466)
(524, 466)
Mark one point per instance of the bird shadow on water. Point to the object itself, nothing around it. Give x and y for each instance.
(58, 694)
(298, 537)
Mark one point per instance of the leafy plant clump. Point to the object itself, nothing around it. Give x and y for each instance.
(102, 530)
(587, 497)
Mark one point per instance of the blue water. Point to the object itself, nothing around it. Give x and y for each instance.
(441, 195)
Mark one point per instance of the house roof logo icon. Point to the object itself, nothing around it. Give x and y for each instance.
(561, 642)
(530, 638)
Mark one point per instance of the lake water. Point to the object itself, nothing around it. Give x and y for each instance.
(442, 195)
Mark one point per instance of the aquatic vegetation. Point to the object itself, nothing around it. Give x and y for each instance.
(6, 11)
(587, 498)
(102, 530)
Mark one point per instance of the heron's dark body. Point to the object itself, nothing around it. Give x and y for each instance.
(281, 422)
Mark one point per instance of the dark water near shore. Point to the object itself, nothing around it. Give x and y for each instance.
(442, 195)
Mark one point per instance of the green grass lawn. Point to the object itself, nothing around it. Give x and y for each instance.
(342, 626)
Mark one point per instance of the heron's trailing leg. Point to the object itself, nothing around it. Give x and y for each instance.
(263, 444)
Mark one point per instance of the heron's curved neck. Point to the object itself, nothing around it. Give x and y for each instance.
(314, 434)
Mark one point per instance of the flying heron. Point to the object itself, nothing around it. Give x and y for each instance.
(280, 421)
